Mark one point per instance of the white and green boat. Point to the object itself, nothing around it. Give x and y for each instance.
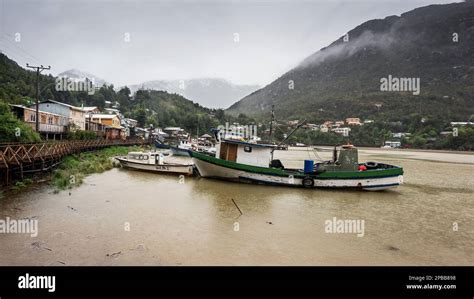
(253, 163)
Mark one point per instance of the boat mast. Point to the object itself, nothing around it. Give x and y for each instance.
(289, 135)
(271, 123)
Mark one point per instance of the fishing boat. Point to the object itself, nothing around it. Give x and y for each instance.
(205, 149)
(159, 144)
(182, 149)
(242, 161)
(155, 162)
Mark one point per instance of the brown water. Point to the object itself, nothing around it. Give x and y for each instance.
(193, 222)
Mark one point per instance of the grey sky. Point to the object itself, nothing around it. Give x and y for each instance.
(181, 39)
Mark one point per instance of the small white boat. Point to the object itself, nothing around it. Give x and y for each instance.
(210, 150)
(155, 162)
(182, 148)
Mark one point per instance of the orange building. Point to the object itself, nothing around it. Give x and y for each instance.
(113, 129)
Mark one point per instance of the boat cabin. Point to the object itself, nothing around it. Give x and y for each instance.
(244, 152)
(145, 158)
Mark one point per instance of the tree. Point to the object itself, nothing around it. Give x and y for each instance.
(14, 130)
(220, 115)
(140, 116)
(418, 141)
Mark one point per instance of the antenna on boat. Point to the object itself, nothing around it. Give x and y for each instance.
(216, 133)
(271, 124)
(289, 135)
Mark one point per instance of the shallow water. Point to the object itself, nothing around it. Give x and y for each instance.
(194, 222)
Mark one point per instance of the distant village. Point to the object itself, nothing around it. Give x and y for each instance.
(57, 119)
(343, 127)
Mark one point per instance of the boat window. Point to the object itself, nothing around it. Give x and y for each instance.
(248, 149)
(140, 157)
(145, 157)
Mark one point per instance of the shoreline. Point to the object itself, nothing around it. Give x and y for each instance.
(69, 173)
(389, 149)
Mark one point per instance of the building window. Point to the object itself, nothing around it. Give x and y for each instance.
(248, 149)
(32, 117)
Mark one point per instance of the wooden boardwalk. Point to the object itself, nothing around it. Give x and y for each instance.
(21, 158)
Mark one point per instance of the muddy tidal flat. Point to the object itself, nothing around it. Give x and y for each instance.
(124, 217)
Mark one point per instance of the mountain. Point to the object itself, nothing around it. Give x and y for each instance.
(159, 108)
(434, 44)
(208, 92)
(78, 75)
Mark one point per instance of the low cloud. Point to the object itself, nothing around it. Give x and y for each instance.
(341, 49)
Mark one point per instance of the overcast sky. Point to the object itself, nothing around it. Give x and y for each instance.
(181, 39)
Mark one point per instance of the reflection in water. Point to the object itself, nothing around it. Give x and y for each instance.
(125, 217)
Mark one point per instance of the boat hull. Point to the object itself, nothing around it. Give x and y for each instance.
(180, 152)
(159, 144)
(213, 168)
(165, 168)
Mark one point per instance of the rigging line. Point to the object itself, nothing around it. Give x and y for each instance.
(12, 53)
(15, 44)
(317, 155)
(312, 151)
(307, 151)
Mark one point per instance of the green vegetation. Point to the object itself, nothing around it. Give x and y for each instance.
(463, 142)
(371, 135)
(81, 135)
(20, 185)
(74, 168)
(148, 107)
(343, 80)
(13, 129)
(338, 87)
(424, 136)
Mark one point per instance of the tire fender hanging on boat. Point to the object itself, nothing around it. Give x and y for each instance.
(371, 164)
(308, 182)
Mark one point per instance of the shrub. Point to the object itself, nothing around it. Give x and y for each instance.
(10, 126)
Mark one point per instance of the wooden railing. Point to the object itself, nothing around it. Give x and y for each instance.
(36, 155)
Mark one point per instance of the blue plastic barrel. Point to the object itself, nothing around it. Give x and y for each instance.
(308, 166)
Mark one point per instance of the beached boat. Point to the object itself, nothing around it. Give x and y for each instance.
(182, 149)
(253, 163)
(206, 149)
(153, 161)
(161, 145)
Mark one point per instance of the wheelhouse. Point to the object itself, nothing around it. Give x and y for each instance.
(145, 158)
(244, 152)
